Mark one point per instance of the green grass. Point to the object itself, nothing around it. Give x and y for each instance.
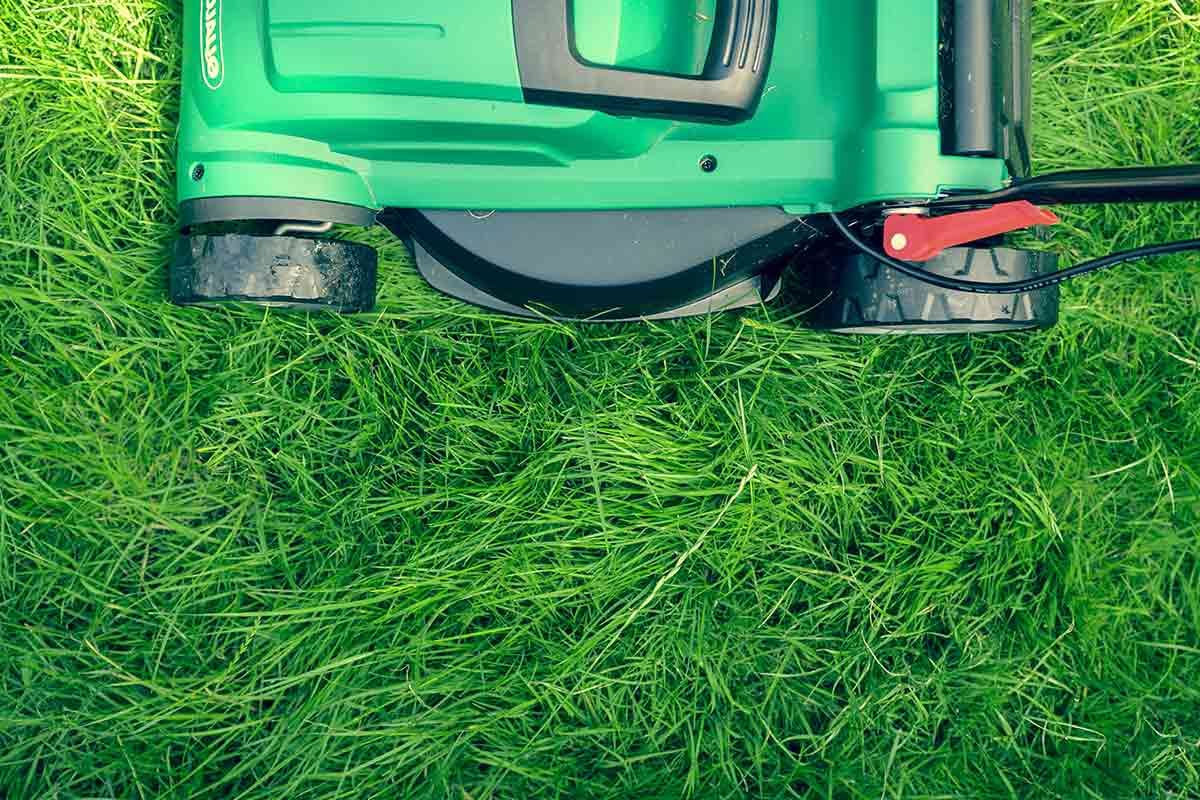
(435, 553)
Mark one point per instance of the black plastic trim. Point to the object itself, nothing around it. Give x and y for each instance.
(555, 282)
(206, 210)
(727, 92)
(753, 291)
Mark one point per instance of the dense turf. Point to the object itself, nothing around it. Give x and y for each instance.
(434, 553)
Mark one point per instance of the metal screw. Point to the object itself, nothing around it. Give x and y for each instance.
(899, 242)
(198, 172)
(708, 164)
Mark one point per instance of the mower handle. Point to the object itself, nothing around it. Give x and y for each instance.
(1091, 187)
(728, 91)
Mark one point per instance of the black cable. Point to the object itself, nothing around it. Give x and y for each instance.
(1013, 287)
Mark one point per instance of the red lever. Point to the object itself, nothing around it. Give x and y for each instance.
(911, 237)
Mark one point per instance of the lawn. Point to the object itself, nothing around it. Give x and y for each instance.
(433, 553)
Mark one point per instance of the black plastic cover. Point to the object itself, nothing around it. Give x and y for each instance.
(608, 264)
(728, 91)
(987, 51)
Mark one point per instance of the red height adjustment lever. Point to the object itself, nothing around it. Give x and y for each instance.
(912, 237)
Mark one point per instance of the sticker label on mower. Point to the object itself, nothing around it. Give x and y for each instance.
(212, 60)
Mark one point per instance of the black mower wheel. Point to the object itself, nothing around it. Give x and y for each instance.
(855, 294)
(278, 271)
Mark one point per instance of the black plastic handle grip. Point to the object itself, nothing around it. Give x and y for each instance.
(727, 92)
(1092, 187)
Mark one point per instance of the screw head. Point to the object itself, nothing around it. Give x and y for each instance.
(708, 164)
(198, 172)
(899, 242)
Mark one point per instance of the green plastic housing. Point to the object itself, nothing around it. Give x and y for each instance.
(418, 104)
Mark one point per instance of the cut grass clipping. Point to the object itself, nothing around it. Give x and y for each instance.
(433, 553)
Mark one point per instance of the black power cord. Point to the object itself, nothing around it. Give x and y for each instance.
(1013, 287)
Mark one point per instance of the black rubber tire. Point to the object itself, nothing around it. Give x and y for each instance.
(855, 294)
(278, 271)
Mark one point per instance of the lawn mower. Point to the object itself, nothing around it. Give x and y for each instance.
(630, 159)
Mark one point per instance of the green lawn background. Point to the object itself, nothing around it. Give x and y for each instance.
(435, 553)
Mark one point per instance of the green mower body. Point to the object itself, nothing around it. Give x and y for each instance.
(588, 158)
(419, 104)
